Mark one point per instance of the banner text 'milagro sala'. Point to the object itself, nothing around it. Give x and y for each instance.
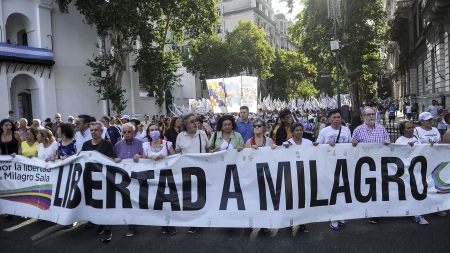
(252, 188)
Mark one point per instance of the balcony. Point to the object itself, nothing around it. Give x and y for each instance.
(24, 54)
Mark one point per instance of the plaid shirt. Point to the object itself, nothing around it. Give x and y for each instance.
(364, 135)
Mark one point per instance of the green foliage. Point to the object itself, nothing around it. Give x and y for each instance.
(152, 22)
(250, 50)
(244, 50)
(361, 31)
(290, 78)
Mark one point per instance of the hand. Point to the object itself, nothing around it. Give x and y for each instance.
(332, 143)
(286, 145)
(255, 146)
(239, 148)
(315, 143)
(161, 156)
(117, 160)
(273, 146)
(354, 143)
(136, 158)
(30, 156)
(411, 144)
(13, 154)
(386, 142)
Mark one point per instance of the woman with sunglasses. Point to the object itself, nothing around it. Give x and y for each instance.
(156, 149)
(284, 131)
(259, 139)
(225, 137)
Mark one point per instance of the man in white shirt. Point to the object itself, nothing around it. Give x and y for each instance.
(83, 134)
(332, 134)
(408, 109)
(434, 109)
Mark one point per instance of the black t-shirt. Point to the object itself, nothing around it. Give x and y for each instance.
(171, 135)
(103, 147)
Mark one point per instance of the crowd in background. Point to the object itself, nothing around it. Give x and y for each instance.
(160, 135)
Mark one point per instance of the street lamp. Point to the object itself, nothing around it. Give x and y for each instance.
(335, 46)
(105, 73)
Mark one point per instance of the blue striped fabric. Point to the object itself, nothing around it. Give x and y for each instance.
(11, 50)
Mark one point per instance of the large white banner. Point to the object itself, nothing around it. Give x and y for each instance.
(252, 188)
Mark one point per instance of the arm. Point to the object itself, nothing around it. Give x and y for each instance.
(19, 145)
(446, 137)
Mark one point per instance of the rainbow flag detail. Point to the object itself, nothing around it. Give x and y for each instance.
(441, 186)
(39, 196)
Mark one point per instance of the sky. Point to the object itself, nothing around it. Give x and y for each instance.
(278, 5)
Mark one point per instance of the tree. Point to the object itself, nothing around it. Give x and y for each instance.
(290, 77)
(248, 50)
(151, 22)
(361, 31)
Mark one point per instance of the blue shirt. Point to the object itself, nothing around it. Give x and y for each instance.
(245, 129)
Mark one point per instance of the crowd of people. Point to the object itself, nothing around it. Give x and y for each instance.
(161, 136)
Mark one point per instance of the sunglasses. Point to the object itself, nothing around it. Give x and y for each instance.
(257, 126)
(127, 132)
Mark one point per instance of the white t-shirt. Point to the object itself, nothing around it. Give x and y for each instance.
(404, 140)
(304, 141)
(329, 134)
(433, 109)
(48, 152)
(149, 151)
(82, 138)
(408, 108)
(425, 136)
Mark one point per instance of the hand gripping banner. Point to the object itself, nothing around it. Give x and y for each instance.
(252, 188)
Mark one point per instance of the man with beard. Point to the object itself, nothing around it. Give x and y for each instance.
(369, 132)
(191, 140)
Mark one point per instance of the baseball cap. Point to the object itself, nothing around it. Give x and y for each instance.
(310, 117)
(125, 117)
(425, 116)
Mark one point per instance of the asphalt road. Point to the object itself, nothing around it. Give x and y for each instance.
(390, 235)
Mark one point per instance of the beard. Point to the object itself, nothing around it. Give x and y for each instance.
(370, 122)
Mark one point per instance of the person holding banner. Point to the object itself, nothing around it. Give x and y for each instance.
(407, 137)
(156, 149)
(10, 143)
(129, 147)
(259, 139)
(331, 135)
(191, 140)
(67, 144)
(48, 147)
(225, 137)
(370, 132)
(105, 148)
(29, 146)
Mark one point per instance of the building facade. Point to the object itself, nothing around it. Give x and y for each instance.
(262, 14)
(43, 56)
(417, 58)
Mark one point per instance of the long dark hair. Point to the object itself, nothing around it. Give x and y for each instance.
(13, 126)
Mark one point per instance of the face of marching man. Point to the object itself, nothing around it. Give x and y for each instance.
(369, 117)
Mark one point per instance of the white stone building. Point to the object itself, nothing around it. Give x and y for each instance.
(43, 56)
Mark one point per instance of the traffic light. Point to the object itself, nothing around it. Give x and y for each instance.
(309, 73)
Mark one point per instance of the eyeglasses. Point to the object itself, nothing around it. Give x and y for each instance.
(257, 126)
(370, 114)
(127, 132)
(193, 121)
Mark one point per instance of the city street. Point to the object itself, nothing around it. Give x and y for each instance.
(390, 235)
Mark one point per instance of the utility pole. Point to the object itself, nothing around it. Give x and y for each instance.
(104, 73)
(333, 12)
